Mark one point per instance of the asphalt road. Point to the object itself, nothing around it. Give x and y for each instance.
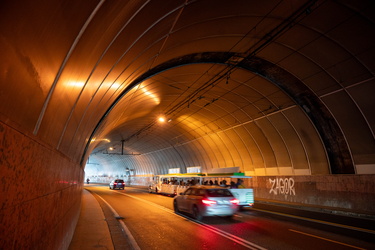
(152, 223)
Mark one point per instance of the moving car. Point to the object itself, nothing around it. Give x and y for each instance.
(118, 183)
(200, 201)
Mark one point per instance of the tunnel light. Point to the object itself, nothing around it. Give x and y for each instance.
(115, 85)
(163, 119)
(111, 148)
(95, 139)
(79, 84)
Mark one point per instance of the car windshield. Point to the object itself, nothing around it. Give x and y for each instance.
(119, 181)
(219, 193)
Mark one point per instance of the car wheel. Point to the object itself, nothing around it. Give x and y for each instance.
(229, 217)
(196, 214)
(175, 207)
(110, 187)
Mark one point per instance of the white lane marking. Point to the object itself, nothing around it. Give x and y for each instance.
(133, 242)
(322, 238)
(227, 235)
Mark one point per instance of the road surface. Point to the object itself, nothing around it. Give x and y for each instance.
(150, 221)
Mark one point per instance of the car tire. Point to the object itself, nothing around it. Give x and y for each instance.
(229, 217)
(196, 214)
(175, 207)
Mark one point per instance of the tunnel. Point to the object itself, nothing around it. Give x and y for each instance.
(281, 89)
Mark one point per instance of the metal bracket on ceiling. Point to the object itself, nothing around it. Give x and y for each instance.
(234, 60)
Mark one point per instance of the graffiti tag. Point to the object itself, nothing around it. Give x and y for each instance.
(282, 186)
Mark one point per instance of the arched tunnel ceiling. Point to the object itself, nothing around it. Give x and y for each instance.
(274, 87)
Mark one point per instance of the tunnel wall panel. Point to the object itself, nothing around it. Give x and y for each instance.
(218, 149)
(195, 154)
(276, 141)
(244, 157)
(292, 140)
(188, 155)
(341, 105)
(254, 156)
(262, 144)
(316, 158)
(40, 194)
(233, 158)
(365, 102)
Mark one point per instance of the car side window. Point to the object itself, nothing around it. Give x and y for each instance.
(198, 192)
(201, 192)
(194, 191)
(188, 192)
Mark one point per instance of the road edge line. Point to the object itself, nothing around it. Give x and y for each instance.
(133, 242)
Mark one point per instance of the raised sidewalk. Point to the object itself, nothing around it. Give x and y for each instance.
(92, 230)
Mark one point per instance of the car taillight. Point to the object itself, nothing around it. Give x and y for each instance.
(208, 202)
(115, 183)
(235, 201)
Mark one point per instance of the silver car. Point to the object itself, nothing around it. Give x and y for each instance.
(200, 201)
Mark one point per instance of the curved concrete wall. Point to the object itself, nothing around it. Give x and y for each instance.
(39, 193)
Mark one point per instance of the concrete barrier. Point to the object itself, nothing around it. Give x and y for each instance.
(349, 194)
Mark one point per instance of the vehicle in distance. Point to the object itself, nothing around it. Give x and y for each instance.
(200, 201)
(118, 183)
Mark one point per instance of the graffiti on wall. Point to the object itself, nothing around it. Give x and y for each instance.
(282, 186)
